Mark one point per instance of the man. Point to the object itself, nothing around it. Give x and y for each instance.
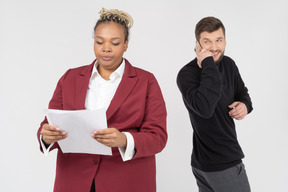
(214, 94)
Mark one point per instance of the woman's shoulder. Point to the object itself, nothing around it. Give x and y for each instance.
(83, 68)
(133, 70)
(77, 71)
(141, 71)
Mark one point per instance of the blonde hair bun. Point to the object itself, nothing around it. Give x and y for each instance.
(115, 14)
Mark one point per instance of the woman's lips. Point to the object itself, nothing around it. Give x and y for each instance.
(106, 58)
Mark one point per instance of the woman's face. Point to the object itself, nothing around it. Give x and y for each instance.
(109, 45)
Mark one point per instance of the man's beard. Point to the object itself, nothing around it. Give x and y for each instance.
(220, 58)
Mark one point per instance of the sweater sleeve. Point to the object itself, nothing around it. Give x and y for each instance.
(241, 92)
(201, 92)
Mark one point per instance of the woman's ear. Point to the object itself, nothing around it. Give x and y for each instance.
(125, 45)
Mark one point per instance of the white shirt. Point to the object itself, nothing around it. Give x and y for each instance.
(99, 95)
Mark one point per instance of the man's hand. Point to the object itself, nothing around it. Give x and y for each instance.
(201, 54)
(110, 137)
(239, 110)
(52, 134)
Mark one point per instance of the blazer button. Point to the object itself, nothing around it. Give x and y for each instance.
(95, 161)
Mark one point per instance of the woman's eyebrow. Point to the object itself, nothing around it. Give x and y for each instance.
(111, 38)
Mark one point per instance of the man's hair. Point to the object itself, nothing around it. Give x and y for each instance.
(208, 24)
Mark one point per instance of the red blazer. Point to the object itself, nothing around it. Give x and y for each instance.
(137, 107)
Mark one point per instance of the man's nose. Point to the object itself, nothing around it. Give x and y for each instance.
(213, 46)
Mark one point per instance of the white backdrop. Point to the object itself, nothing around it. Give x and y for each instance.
(40, 40)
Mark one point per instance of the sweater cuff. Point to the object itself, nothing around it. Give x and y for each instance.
(207, 61)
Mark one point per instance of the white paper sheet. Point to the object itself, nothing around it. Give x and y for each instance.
(79, 125)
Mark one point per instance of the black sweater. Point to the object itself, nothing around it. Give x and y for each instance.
(207, 92)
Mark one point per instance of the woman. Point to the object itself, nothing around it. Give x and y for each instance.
(136, 116)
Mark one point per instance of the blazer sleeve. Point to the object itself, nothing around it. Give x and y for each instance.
(55, 103)
(152, 135)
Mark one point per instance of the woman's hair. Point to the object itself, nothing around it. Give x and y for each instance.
(208, 24)
(114, 15)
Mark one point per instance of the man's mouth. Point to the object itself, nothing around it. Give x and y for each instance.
(215, 53)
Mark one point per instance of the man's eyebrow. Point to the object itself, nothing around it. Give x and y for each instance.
(206, 39)
(210, 40)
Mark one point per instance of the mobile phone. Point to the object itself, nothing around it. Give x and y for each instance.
(197, 44)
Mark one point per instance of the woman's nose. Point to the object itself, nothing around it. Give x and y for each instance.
(106, 48)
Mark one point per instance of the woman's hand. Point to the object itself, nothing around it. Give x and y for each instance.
(52, 134)
(110, 137)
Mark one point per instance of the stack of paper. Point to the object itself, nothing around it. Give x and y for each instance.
(79, 125)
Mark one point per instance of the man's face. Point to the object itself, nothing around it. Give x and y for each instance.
(214, 42)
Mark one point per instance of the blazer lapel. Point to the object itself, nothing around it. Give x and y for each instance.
(82, 84)
(125, 87)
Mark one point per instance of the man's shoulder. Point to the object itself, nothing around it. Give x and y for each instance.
(188, 71)
(227, 59)
(228, 62)
(190, 66)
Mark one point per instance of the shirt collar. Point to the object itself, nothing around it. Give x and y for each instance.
(117, 73)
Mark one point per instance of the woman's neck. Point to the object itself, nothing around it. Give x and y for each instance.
(106, 72)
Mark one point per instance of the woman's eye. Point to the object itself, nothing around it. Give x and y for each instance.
(99, 43)
(115, 44)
